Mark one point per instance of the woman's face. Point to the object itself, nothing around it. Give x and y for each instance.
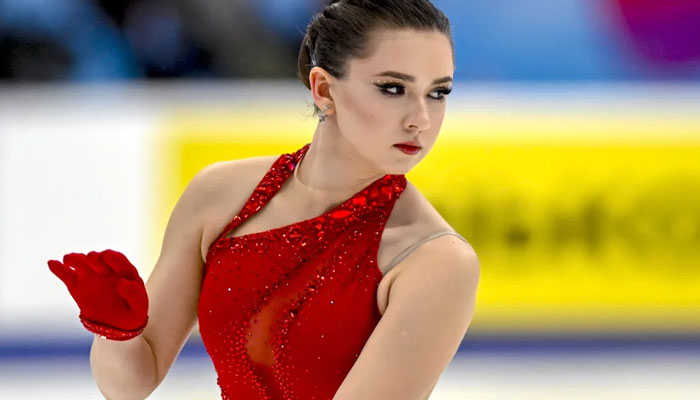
(397, 94)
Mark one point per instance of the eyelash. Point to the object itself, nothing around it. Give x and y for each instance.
(444, 90)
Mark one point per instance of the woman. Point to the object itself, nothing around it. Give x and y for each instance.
(336, 279)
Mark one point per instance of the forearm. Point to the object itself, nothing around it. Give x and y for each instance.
(124, 370)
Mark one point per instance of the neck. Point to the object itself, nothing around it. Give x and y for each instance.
(327, 169)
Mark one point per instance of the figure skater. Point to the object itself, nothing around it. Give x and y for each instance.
(316, 274)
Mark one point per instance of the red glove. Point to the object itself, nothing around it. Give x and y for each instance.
(109, 291)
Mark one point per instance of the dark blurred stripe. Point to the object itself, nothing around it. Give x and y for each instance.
(22, 349)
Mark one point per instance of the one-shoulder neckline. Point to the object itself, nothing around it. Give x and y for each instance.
(278, 165)
(340, 206)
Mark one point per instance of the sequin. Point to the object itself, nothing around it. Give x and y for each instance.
(285, 313)
(109, 332)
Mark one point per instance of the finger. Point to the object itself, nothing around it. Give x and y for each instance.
(78, 261)
(93, 259)
(134, 293)
(120, 264)
(63, 273)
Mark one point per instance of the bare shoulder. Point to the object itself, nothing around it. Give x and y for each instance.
(449, 249)
(220, 181)
(443, 259)
(414, 218)
(224, 187)
(221, 175)
(427, 216)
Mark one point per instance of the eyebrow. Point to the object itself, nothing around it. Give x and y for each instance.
(411, 78)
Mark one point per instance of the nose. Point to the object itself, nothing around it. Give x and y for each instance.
(418, 119)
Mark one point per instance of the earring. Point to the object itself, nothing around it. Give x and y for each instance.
(322, 117)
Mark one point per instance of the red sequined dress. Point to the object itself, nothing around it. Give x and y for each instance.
(285, 313)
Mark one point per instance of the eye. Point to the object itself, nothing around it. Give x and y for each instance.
(391, 89)
(395, 89)
(443, 91)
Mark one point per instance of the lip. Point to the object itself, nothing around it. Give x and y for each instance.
(413, 143)
(408, 149)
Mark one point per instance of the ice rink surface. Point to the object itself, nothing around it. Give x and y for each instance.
(589, 374)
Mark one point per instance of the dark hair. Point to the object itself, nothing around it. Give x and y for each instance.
(342, 28)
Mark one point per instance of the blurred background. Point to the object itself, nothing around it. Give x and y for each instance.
(569, 158)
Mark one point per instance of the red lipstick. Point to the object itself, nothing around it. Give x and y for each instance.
(408, 148)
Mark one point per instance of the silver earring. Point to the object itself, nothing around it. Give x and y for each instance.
(322, 117)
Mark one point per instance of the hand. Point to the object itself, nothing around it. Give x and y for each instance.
(106, 287)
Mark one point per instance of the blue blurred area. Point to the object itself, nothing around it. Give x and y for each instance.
(504, 40)
(532, 40)
(540, 40)
(68, 39)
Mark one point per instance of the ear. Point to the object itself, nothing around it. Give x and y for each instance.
(321, 81)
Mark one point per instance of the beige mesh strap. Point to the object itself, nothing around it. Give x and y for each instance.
(408, 250)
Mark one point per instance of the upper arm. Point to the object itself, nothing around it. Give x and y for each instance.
(431, 304)
(174, 284)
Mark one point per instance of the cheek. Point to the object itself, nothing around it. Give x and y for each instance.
(437, 117)
(361, 109)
